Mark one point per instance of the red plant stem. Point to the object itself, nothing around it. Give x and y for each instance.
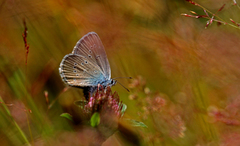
(221, 8)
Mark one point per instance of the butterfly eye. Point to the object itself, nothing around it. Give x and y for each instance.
(75, 63)
(82, 63)
(89, 56)
(90, 51)
(77, 74)
(86, 62)
(74, 71)
(74, 67)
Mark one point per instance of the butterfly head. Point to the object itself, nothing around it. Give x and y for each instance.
(112, 82)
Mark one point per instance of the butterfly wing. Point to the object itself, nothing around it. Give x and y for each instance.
(77, 70)
(92, 48)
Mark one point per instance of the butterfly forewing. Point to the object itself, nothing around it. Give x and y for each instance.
(77, 70)
(90, 46)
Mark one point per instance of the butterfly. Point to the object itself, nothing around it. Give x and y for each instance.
(87, 65)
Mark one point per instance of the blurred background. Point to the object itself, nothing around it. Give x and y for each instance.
(186, 79)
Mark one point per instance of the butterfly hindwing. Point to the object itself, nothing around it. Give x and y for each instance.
(92, 48)
(77, 70)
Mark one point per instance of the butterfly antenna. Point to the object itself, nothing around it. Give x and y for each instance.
(124, 87)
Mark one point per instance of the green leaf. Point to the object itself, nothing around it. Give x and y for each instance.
(67, 115)
(95, 119)
(124, 108)
(137, 123)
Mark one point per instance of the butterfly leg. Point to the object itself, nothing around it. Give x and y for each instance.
(88, 92)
